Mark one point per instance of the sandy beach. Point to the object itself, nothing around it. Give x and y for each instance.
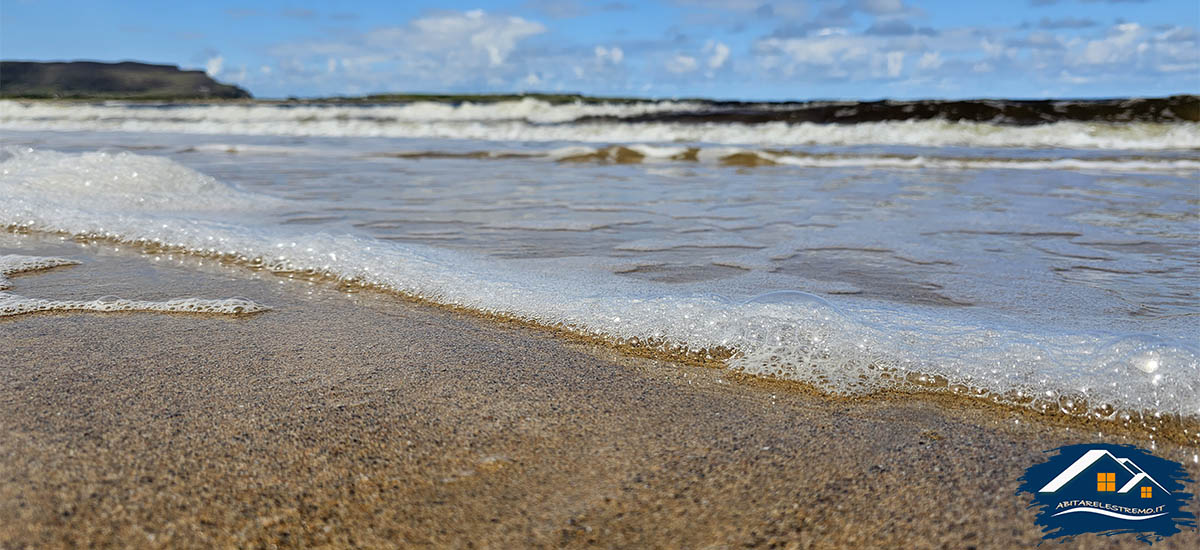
(342, 420)
(668, 274)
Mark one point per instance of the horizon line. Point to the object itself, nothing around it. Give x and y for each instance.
(585, 95)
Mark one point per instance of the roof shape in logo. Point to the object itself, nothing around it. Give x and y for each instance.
(1084, 462)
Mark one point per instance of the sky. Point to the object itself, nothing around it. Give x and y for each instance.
(729, 49)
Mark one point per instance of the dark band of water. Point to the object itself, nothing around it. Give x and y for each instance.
(1180, 108)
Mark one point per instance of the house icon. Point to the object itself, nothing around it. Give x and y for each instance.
(1108, 489)
(1112, 476)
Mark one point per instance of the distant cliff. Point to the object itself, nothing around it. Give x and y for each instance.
(93, 80)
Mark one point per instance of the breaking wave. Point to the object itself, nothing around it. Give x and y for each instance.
(532, 120)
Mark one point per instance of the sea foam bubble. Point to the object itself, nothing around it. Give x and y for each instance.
(14, 304)
(792, 335)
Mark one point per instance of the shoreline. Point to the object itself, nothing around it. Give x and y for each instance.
(357, 419)
(1145, 425)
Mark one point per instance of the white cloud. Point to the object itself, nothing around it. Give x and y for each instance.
(719, 54)
(832, 51)
(1115, 48)
(930, 61)
(441, 50)
(996, 48)
(1127, 55)
(493, 35)
(837, 55)
(895, 63)
(606, 55)
(681, 64)
(213, 66)
(479, 51)
(1128, 49)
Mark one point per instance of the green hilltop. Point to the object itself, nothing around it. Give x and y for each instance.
(96, 80)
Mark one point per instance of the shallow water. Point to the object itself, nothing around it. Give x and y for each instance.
(1050, 266)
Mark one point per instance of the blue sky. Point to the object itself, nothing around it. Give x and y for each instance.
(736, 49)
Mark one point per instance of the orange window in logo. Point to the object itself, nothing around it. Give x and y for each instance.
(1147, 492)
(1106, 482)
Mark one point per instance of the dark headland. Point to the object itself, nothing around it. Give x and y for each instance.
(95, 80)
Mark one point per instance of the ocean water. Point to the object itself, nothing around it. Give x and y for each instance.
(1054, 266)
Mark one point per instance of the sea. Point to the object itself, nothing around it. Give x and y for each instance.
(1050, 263)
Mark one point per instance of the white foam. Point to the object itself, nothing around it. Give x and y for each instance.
(526, 120)
(570, 151)
(11, 264)
(718, 154)
(793, 335)
(118, 181)
(967, 163)
(658, 152)
(13, 304)
(527, 109)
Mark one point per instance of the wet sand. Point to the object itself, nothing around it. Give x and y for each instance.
(360, 420)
